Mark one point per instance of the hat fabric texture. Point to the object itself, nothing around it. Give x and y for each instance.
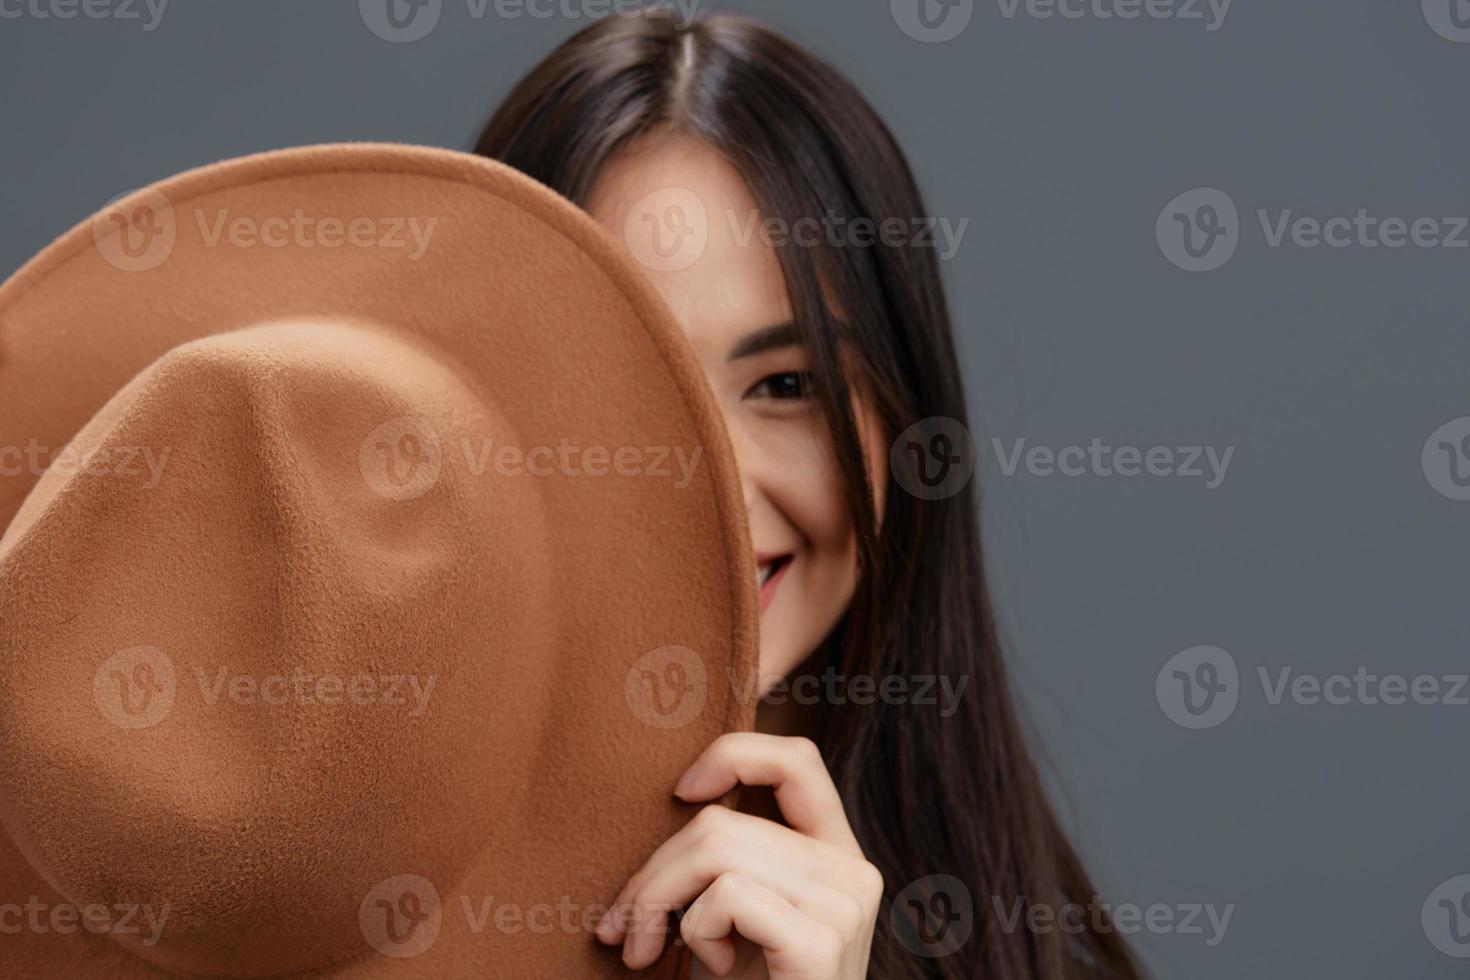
(374, 561)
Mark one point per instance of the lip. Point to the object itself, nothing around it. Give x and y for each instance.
(768, 588)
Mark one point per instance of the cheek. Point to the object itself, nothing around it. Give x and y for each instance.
(811, 488)
(805, 484)
(802, 478)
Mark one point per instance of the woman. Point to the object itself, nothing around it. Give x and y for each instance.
(821, 345)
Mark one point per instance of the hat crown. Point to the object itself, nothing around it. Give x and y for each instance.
(277, 658)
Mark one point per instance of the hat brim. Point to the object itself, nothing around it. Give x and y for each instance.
(533, 298)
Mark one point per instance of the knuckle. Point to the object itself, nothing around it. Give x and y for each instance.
(806, 753)
(870, 883)
(711, 819)
(725, 743)
(717, 845)
(727, 886)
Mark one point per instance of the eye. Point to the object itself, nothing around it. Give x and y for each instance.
(785, 385)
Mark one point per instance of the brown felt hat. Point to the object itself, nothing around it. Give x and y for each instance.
(373, 563)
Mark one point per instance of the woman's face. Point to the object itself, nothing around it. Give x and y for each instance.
(731, 301)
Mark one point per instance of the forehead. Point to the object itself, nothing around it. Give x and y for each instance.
(734, 284)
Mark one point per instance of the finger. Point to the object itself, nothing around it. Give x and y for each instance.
(794, 944)
(679, 879)
(725, 838)
(681, 884)
(827, 884)
(792, 766)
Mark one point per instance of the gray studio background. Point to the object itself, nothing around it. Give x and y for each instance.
(1335, 540)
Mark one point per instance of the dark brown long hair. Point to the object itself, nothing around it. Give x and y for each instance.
(926, 795)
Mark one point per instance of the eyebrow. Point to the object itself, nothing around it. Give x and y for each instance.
(766, 338)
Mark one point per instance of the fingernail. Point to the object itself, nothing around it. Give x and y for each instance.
(685, 783)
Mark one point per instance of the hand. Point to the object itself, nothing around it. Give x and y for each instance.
(769, 902)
